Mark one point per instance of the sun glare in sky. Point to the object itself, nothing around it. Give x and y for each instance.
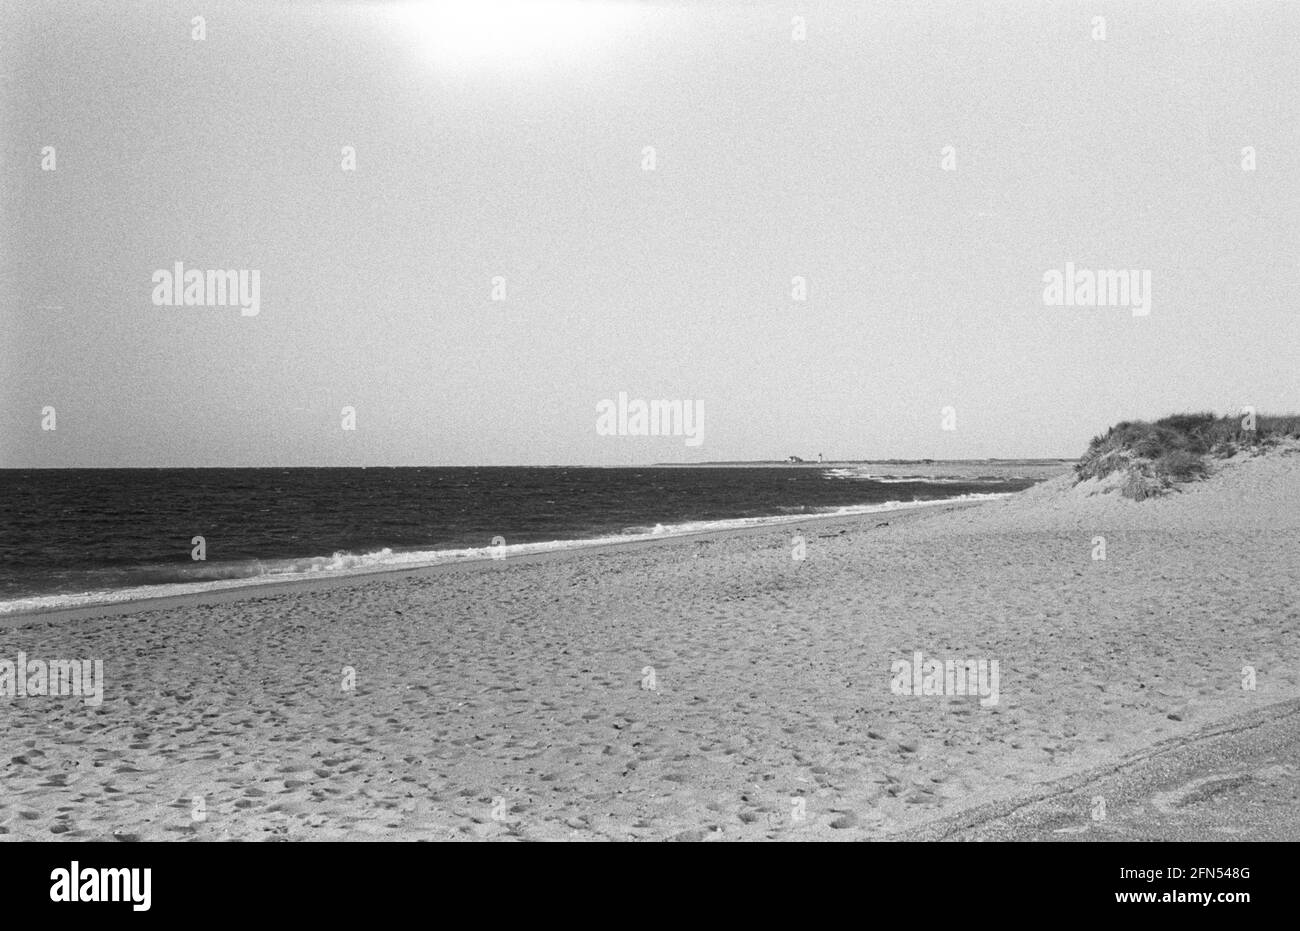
(500, 35)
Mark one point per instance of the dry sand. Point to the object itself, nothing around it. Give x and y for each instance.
(515, 688)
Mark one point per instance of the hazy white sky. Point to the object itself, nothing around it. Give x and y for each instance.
(490, 146)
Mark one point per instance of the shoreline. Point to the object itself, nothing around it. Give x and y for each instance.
(146, 582)
(920, 469)
(256, 587)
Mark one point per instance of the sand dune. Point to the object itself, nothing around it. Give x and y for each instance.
(508, 699)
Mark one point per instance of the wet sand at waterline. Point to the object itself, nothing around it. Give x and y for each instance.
(507, 699)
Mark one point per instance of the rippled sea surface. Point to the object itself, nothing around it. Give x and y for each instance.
(83, 530)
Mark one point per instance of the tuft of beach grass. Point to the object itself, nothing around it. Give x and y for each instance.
(1155, 457)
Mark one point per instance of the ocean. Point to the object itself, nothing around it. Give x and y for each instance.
(71, 537)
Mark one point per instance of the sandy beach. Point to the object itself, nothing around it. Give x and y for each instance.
(707, 687)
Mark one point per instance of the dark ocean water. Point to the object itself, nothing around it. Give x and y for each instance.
(65, 533)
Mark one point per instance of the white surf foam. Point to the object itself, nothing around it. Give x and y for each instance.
(386, 560)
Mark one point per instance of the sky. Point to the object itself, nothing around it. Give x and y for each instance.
(506, 140)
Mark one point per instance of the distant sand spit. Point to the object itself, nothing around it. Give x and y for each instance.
(506, 700)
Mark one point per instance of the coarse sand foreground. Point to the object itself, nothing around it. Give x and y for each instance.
(508, 700)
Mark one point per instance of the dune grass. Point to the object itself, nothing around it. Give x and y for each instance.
(1157, 456)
